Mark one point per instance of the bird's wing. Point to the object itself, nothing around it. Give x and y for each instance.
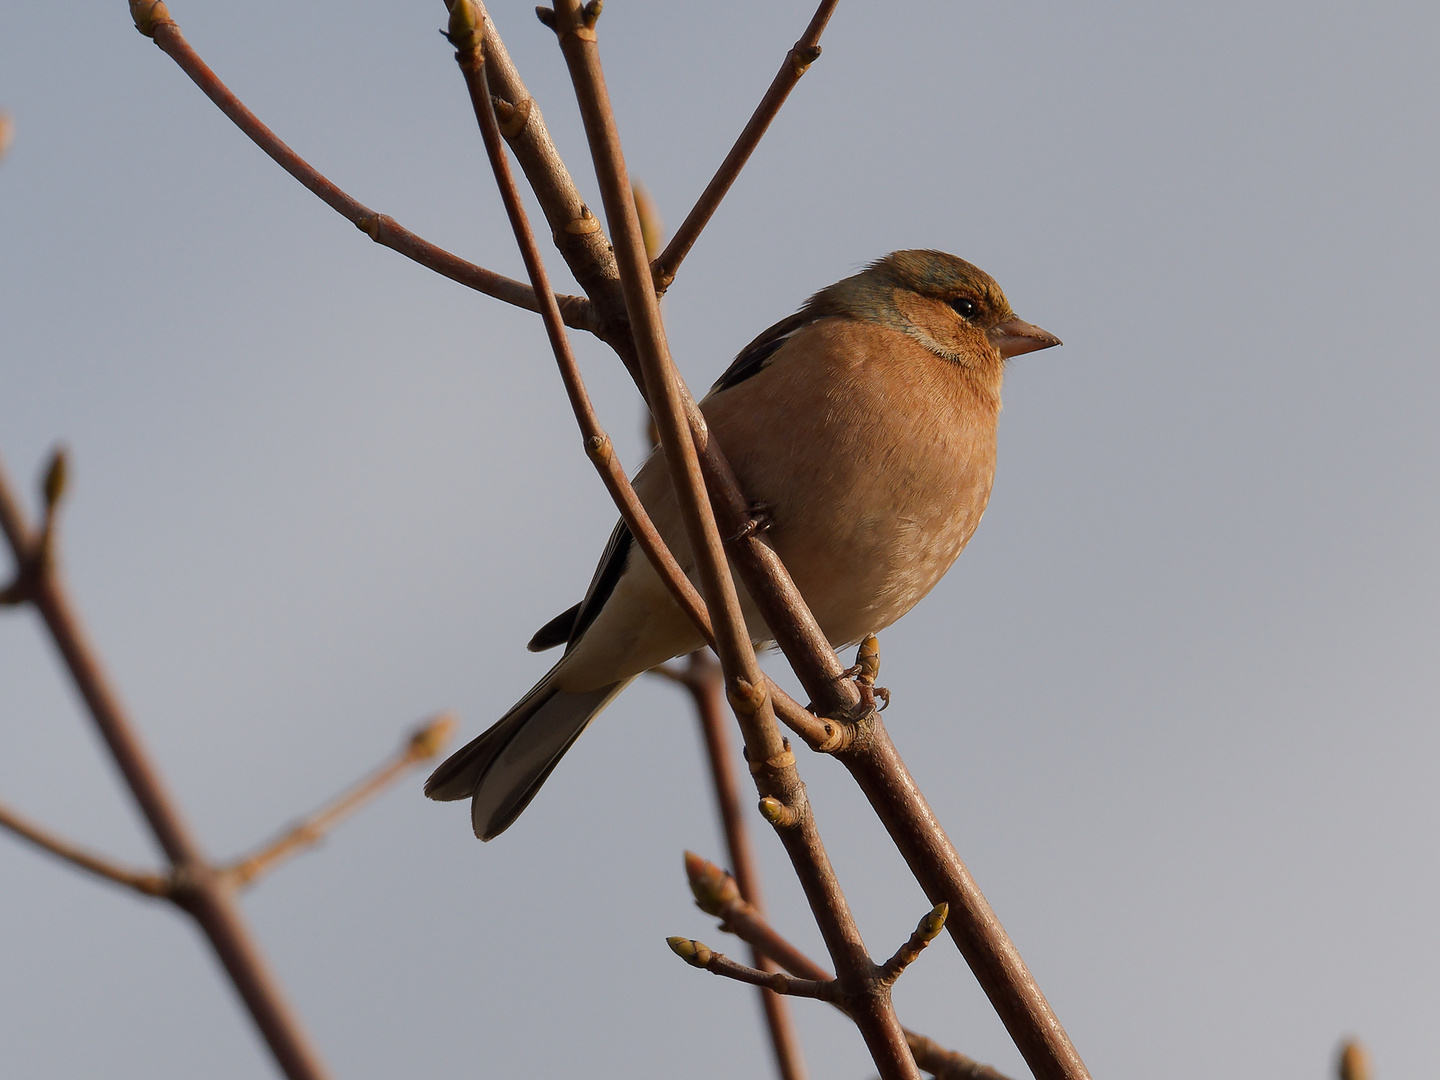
(566, 628)
(753, 357)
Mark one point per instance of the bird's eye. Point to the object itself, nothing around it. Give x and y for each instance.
(965, 307)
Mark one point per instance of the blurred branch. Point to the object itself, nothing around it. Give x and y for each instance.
(421, 745)
(424, 743)
(652, 229)
(142, 881)
(797, 61)
(718, 894)
(197, 887)
(153, 20)
(1354, 1062)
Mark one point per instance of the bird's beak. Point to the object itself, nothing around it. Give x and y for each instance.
(1013, 337)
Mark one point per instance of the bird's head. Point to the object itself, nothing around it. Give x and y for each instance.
(950, 306)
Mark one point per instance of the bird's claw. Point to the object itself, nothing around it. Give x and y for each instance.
(759, 520)
(864, 673)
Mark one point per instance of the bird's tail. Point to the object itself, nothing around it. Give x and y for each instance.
(501, 771)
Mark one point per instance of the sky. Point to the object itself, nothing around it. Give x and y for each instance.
(1176, 704)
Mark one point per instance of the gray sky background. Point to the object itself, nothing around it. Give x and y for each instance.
(1176, 703)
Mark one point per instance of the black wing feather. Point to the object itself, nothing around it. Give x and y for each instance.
(753, 357)
(566, 628)
(555, 632)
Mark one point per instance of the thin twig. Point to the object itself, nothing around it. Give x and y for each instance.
(880, 772)
(201, 891)
(698, 954)
(142, 881)
(576, 230)
(717, 894)
(770, 758)
(702, 679)
(927, 931)
(797, 61)
(153, 20)
(422, 744)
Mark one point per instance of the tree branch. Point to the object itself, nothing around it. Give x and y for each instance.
(153, 20)
(927, 931)
(702, 678)
(716, 893)
(897, 800)
(422, 744)
(797, 61)
(698, 954)
(199, 890)
(142, 881)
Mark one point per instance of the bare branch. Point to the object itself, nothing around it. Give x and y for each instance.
(716, 893)
(423, 743)
(877, 767)
(927, 931)
(797, 61)
(948, 1064)
(153, 20)
(198, 889)
(142, 881)
(698, 954)
(703, 679)
(575, 229)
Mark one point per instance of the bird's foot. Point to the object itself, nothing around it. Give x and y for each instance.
(759, 520)
(867, 667)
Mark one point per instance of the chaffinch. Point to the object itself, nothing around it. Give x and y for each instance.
(864, 424)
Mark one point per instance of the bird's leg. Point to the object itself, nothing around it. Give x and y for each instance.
(867, 667)
(759, 520)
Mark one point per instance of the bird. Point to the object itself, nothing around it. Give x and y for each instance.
(864, 425)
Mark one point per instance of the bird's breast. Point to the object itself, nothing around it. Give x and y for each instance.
(875, 457)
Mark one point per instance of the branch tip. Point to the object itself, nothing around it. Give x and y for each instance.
(148, 14)
(546, 16)
(430, 737)
(927, 931)
(714, 889)
(694, 953)
(56, 475)
(465, 31)
(931, 925)
(1354, 1061)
